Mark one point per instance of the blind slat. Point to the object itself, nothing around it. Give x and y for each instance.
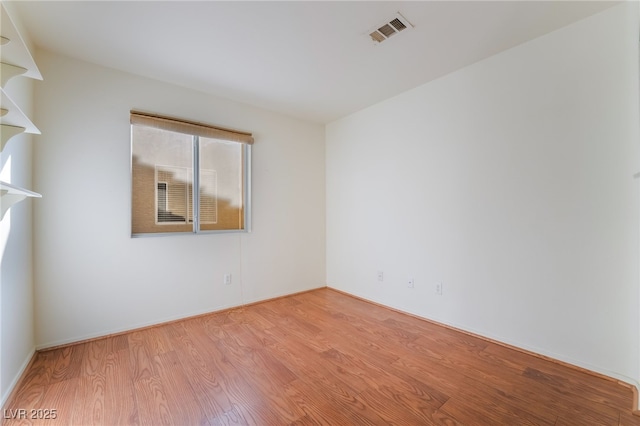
(190, 127)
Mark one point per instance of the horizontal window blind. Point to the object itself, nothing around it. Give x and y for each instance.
(189, 127)
(208, 196)
(174, 191)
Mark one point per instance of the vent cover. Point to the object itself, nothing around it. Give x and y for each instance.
(390, 28)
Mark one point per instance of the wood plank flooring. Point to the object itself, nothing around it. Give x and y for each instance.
(315, 358)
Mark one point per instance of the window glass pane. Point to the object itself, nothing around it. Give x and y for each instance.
(162, 181)
(221, 185)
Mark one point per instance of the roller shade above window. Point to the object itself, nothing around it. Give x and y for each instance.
(190, 127)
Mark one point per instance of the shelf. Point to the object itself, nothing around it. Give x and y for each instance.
(13, 121)
(14, 115)
(15, 52)
(11, 194)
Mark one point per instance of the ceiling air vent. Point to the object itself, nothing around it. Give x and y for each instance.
(390, 28)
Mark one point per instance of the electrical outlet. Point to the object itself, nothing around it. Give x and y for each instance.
(380, 276)
(410, 282)
(227, 279)
(439, 289)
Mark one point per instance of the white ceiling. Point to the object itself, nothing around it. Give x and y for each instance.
(312, 60)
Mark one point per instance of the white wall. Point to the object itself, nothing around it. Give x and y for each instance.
(509, 181)
(17, 339)
(91, 278)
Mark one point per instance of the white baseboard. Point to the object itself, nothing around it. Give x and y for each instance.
(164, 320)
(532, 350)
(7, 393)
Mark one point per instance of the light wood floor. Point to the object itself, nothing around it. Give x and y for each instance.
(314, 358)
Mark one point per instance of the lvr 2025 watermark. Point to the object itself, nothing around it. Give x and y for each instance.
(33, 414)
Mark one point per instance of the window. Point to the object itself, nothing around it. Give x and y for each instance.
(188, 177)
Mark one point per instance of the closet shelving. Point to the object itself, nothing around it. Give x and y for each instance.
(11, 194)
(15, 60)
(13, 49)
(13, 121)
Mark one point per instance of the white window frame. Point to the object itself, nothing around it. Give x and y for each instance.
(246, 191)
